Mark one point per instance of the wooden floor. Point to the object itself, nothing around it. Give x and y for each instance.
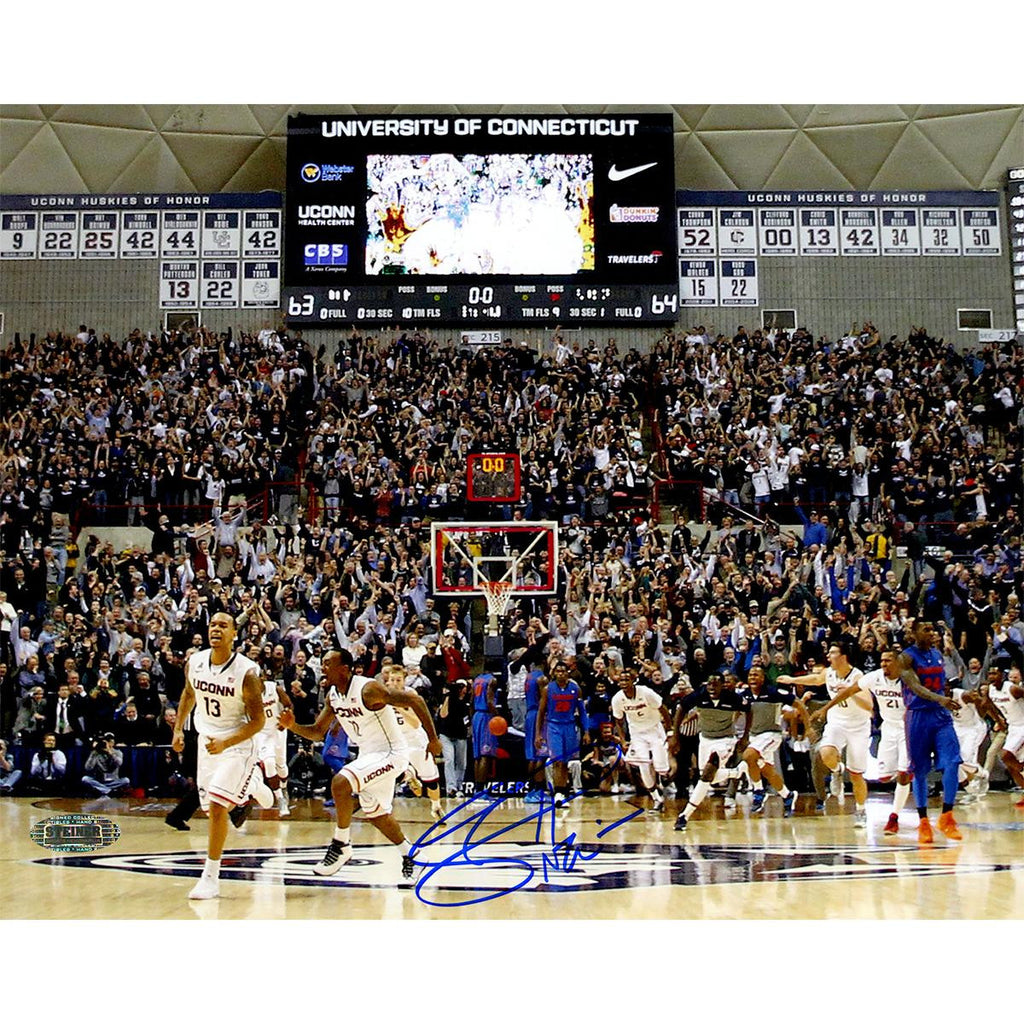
(506, 859)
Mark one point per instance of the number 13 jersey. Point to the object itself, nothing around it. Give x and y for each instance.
(220, 707)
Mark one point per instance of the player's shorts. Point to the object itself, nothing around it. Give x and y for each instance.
(892, 750)
(723, 747)
(563, 741)
(649, 748)
(970, 740)
(373, 778)
(225, 778)
(273, 753)
(485, 743)
(1015, 741)
(931, 732)
(766, 744)
(854, 741)
(420, 759)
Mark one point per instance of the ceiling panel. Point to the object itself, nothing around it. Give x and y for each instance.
(50, 148)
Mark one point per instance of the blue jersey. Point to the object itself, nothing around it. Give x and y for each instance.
(533, 690)
(931, 671)
(480, 687)
(562, 703)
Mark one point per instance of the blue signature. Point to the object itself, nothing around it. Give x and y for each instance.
(563, 855)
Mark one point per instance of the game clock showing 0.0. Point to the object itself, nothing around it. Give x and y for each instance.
(493, 476)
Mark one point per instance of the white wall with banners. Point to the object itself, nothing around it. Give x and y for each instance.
(213, 251)
(829, 249)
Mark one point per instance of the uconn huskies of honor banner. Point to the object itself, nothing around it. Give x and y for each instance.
(838, 223)
(1015, 201)
(230, 241)
(19, 235)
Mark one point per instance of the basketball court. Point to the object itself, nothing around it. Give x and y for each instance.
(600, 858)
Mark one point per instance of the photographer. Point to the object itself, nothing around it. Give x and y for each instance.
(103, 767)
(48, 768)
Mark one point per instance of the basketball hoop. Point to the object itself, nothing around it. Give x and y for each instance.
(498, 594)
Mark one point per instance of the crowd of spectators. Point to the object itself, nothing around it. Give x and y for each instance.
(817, 462)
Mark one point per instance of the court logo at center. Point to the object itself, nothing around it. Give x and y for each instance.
(501, 869)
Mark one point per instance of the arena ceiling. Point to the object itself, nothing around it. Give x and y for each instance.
(216, 147)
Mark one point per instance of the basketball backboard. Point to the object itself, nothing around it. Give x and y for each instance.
(464, 556)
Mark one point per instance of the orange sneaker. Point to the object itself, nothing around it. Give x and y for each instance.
(1019, 805)
(924, 832)
(892, 826)
(947, 826)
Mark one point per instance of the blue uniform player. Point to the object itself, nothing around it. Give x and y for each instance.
(560, 705)
(536, 682)
(929, 726)
(485, 743)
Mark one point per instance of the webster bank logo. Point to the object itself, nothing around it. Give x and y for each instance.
(313, 173)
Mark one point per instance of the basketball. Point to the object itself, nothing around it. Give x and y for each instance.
(498, 726)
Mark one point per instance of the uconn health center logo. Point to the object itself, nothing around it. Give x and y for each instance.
(313, 173)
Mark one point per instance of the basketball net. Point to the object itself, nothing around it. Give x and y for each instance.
(498, 594)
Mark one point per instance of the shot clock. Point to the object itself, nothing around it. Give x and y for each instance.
(493, 476)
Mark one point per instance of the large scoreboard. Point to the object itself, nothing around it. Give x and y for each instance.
(515, 219)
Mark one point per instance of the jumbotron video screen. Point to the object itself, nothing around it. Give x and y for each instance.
(502, 218)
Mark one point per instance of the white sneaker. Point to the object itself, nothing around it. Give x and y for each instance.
(206, 888)
(860, 819)
(837, 783)
(436, 811)
(658, 800)
(983, 778)
(262, 794)
(730, 803)
(336, 855)
(282, 804)
(615, 789)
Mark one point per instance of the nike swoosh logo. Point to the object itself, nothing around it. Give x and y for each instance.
(614, 174)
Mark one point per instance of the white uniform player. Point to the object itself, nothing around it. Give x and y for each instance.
(847, 724)
(892, 745)
(971, 730)
(646, 717)
(222, 698)
(272, 742)
(1012, 709)
(648, 742)
(383, 751)
(230, 777)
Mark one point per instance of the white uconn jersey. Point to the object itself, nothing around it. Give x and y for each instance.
(849, 714)
(374, 732)
(966, 716)
(641, 712)
(220, 706)
(271, 707)
(1011, 707)
(888, 693)
(411, 726)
